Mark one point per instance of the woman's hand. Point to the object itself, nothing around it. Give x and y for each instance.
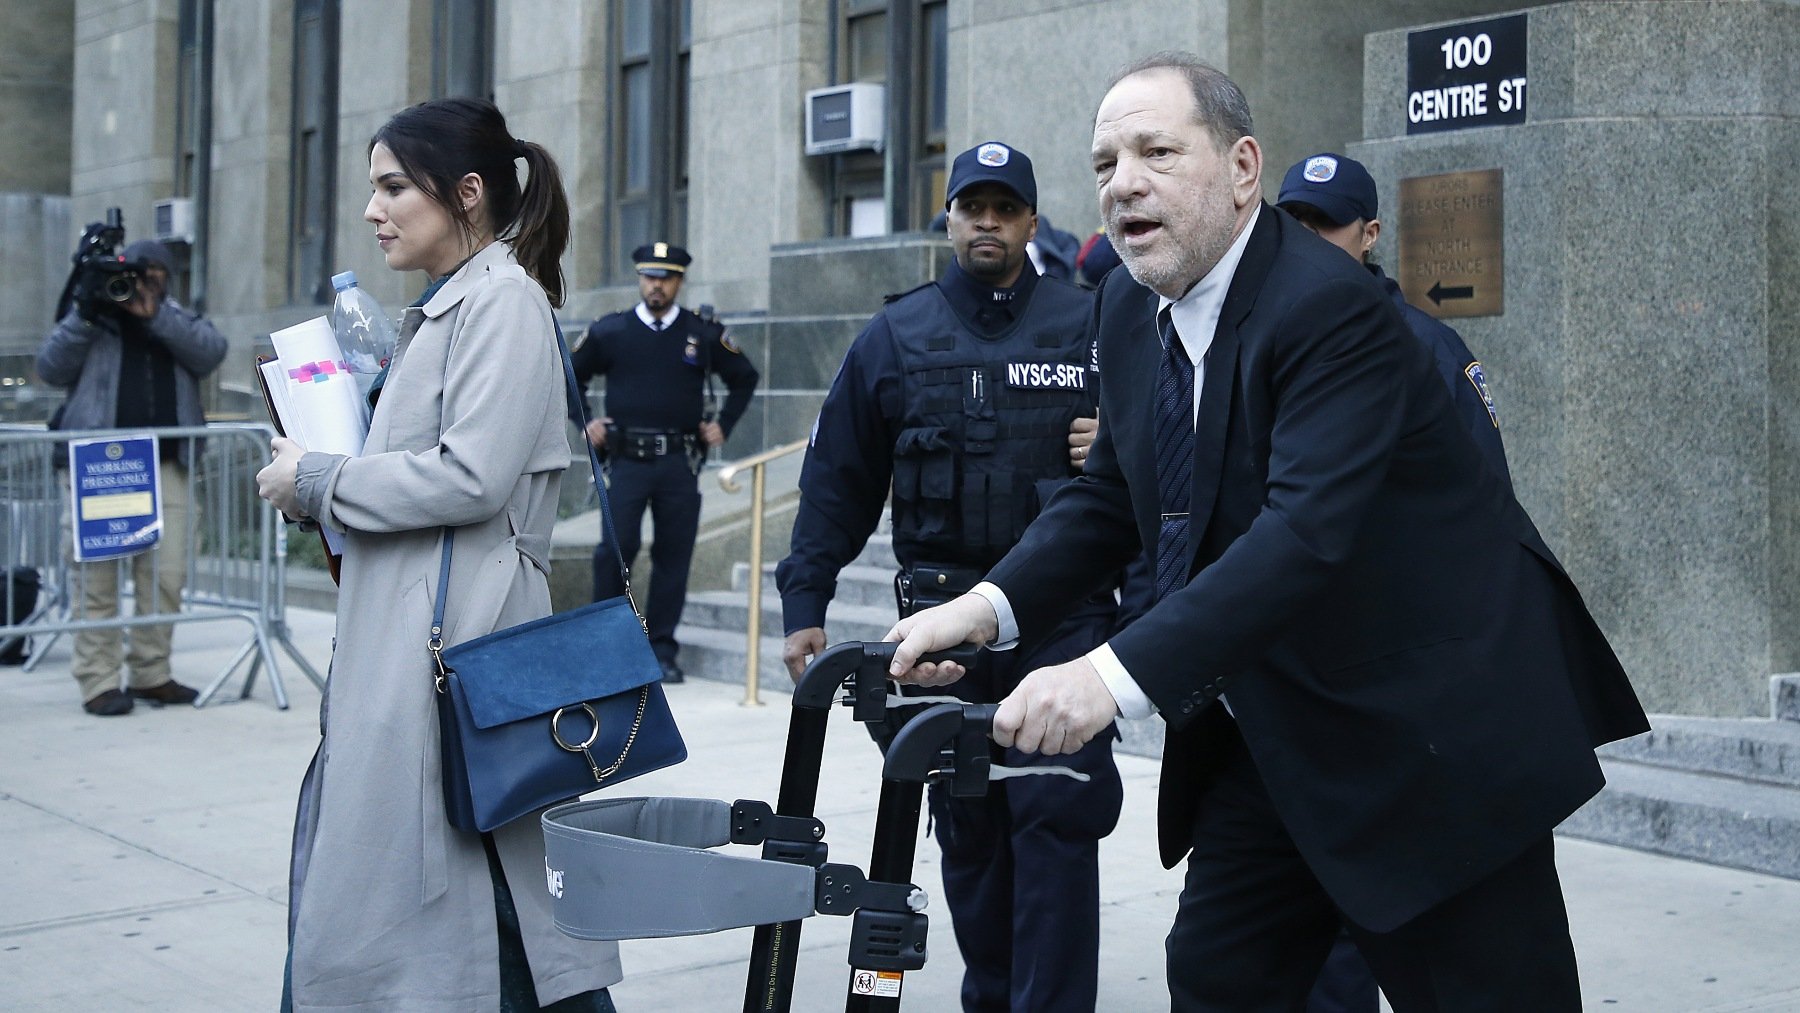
(275, 483)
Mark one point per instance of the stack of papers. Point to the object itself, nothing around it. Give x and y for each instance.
(312, 396)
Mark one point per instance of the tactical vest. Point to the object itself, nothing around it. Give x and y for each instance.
(984, 435)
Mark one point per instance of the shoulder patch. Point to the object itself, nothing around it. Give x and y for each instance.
(726, 340)
(1478, 379)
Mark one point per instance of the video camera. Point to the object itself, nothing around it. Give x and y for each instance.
(101, 276)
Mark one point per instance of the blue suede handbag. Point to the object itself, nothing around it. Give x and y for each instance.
(547, 710)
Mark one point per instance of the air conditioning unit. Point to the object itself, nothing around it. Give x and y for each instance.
(175, 220)
(845, 117)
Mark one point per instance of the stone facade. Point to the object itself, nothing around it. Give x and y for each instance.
(1645, 364)
(1645, 370)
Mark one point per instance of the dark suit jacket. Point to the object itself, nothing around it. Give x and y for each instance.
(1417, 679)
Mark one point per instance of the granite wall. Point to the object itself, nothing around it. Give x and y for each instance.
(1645, 365)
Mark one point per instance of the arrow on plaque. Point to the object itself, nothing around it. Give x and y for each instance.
(1439, 292)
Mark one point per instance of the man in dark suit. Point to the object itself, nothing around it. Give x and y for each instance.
(1382, 691)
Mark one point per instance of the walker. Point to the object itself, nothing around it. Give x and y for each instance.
(641, 868)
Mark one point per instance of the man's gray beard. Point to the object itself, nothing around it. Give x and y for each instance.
(1178, 267)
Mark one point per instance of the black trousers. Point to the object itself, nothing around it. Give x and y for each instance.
(1021, 864)
(669, 488)
(1254, 926)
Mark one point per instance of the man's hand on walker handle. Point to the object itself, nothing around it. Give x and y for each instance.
(1055, 710)
(967, 619)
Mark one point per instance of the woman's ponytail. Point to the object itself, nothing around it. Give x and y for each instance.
(541, 231)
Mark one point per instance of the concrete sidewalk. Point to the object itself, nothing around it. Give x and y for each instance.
(143, 865)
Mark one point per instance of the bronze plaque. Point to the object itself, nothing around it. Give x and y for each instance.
(1452, 243)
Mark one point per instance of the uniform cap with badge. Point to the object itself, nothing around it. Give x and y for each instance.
(661, 260)
(993, 162)
(1339, 187)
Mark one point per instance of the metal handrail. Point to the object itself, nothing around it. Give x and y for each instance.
(756, 463)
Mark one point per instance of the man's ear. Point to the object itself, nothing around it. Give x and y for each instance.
(1371, 232)
(1245, 159)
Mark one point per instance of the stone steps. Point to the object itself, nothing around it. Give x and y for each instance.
(729, 610)
(1718, 790)
(858, 584)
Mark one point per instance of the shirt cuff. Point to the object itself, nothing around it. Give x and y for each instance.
(1008, 636)
(1130, 699)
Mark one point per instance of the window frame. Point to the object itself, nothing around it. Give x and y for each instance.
(657, 209)
(313, 108)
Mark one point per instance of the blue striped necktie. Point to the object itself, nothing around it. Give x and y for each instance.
(1174, 456)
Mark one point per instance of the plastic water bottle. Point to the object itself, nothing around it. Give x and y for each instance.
(364, 332)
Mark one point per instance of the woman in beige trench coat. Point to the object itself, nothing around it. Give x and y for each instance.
(391, 908)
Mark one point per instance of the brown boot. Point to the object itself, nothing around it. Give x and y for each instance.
(109, 704)
(168, 693)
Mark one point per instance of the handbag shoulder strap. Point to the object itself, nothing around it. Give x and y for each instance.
(577, 411)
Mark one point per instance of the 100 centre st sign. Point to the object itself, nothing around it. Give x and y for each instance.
(1470, 74)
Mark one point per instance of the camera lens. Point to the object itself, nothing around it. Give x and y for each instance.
(121, 287)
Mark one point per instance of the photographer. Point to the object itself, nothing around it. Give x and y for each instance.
(132, 363)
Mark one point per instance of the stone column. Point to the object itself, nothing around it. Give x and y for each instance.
(550, 79)
(751, 184)
(1647, 363)
(122, 150)
(37, 50)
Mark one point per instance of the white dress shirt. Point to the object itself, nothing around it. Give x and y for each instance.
(1196, 317)
(654, 322)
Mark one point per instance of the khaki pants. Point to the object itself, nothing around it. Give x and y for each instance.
(158, 575)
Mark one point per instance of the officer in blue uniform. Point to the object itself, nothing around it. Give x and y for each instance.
(660, 420)
(972, 397)
(1335, 197)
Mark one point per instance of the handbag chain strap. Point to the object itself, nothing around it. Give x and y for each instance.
(630, 737)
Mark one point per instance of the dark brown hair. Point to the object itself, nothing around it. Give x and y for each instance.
(437, 143)
(1219, 104)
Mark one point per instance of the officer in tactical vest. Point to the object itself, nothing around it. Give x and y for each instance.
(973, 396)
(662, 417)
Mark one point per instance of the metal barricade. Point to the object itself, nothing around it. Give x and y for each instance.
(235, 547)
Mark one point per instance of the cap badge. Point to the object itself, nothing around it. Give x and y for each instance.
(662, 249)
(1320, 169)
(993, 155)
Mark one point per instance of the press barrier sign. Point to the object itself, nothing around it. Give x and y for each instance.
(1469, 74)
(116, 500)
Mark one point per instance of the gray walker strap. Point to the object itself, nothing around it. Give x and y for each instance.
(638, 868)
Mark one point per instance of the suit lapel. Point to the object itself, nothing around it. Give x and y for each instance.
(1219, 387)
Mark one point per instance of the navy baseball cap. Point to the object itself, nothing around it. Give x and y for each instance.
(660, 260)
(993, 162)
(1339, 187)
(149, 251)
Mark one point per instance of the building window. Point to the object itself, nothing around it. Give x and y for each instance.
(190, 64)
(187, 96)
(902, 44)
(462, 48)
(649, 115)
(314, 148)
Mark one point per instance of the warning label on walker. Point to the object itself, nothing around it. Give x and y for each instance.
(882, 983)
